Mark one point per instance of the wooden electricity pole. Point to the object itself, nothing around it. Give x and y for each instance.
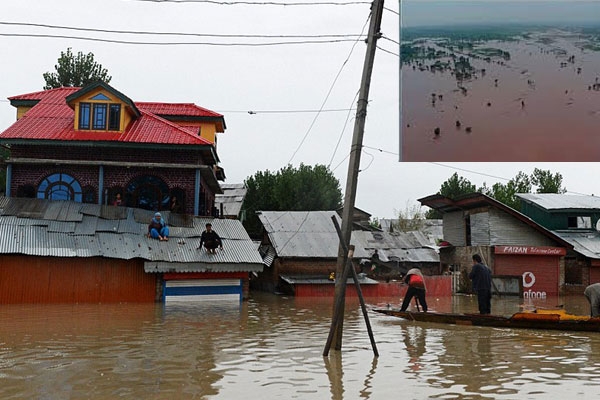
(352, 179)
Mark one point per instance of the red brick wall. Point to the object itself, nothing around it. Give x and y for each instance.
(114, 177)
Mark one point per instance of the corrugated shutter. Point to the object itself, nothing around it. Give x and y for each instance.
(454, 228)
(542, 271)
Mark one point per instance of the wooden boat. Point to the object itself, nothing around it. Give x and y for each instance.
(538, 319)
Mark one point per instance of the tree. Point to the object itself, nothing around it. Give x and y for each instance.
(456, 186)
(75, 71)
(546, 182)
(410, 219)
(507, 193)
(304, 188)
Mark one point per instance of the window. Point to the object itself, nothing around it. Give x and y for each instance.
(60, 186)
(114, 117)
(148, 192)
(84, 115)
(99, 116)
(579, 222)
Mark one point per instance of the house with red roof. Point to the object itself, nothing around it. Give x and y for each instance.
(94, 145)
(73, 152)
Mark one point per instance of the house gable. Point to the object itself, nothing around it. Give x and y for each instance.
(99, 107)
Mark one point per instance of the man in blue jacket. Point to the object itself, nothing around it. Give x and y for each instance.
(482, 284)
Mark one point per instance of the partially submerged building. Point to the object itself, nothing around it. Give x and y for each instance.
(68, 252)
(510, 243)
(300, 250)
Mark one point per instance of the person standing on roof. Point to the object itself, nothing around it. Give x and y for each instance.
(416, 288)
(592, 293)
(211, 240)
(481, 276)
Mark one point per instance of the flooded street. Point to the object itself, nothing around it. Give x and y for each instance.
(272, 347)
(536, 106)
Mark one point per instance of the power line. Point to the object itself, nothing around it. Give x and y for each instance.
(387, 51)
(391, 40)
(252, 112)
(342, 132)
(266, 3)
(175, 43)
(330, 90)
(392, 11)
(73, 28)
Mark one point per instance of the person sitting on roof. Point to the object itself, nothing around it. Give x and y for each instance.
(416, 288)
(592, 293)
(158, 229)
(210, 239)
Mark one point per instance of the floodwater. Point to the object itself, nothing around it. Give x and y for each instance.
(541, 108)
(272, 347)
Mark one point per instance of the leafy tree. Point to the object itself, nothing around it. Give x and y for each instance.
(75, 70)
(304, 188)
(506, 193)
(456, 186)
(547, 182)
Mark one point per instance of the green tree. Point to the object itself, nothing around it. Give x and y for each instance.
(547, 182)
(305, 188)
(75, 71)
(506, 193)
(456, 186)
(453, 187)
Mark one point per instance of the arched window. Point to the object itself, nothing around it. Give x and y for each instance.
(60, 186)
(148, 192)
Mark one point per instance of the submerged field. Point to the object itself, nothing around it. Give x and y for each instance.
(504, 93)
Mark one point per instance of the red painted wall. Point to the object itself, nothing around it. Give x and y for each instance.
(545, 270)
(439, 285)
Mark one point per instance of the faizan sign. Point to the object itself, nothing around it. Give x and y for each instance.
(531, 250)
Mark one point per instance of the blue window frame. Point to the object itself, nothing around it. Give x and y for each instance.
(60, 186)
(114, 117)
(84, 115)
(99, 116)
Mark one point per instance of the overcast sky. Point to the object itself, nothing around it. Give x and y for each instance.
(450, 12)
(280, 84)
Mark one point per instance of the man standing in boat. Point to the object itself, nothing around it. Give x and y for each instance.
(481, 276)
(592, 293)
(416, 288)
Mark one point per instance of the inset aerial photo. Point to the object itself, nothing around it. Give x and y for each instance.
(500, 81)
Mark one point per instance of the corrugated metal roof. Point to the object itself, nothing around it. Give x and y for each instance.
(312, 234)
(586, 243)
(89, 235)
(231, 199)
(554, 201)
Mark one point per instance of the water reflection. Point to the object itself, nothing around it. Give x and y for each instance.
(272, 347)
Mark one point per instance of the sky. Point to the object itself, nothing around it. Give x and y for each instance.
(281, 84)
(452, 12)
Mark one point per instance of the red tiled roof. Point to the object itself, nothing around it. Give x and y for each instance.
(52, 119)
(182, 109)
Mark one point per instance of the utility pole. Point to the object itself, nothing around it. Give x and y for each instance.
(353, 169)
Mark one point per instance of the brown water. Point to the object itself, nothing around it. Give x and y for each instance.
(560, 119)
(271, 348)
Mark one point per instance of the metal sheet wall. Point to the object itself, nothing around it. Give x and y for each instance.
(30, 279)
(480, 229)
(454, 228)
(507, 230)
